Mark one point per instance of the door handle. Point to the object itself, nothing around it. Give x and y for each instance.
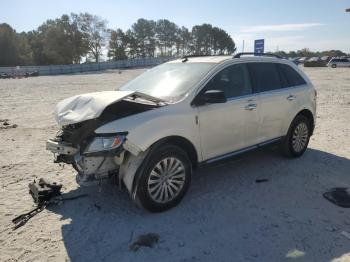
(291, 97)
(250, 107)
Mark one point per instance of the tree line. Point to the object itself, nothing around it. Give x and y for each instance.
(305, 52)
(74, 38)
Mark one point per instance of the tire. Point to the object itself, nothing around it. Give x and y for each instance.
(297, 139)
(166, 173)
(334, 66)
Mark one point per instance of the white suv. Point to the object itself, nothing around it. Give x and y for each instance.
(176, 116)
(339, 62)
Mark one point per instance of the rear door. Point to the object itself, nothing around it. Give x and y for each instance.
(277, 99)
(230, 126)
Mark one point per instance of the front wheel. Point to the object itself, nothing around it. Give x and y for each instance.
(334, 66)
(297, 139)
(164, 179)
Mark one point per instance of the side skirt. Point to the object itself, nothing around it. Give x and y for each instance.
(240, 151)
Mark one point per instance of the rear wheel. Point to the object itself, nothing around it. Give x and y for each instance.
(297, 138)
(334, 66)
(164, 179)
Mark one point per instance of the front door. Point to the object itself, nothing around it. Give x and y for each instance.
(230, 126)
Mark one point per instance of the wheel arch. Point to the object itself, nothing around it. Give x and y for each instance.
(308, 114)
(179, 141)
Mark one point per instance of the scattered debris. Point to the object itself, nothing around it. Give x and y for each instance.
(295, 253)
(6, 124)
(261, 180)
(19, 75)
(345, 234)
(21, 220)
(148, 240)
(339, 196)
(31, 74)
(97, 206)
(44, 194)
(8, 167)
(44, 191)
(331, 228)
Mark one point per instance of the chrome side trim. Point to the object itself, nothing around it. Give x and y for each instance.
(241, 151)
(231, 154)
(269, 141)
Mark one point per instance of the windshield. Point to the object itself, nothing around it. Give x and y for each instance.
(170, 81)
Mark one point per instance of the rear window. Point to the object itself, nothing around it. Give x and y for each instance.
(264, 76)
(291, 76)
(339, 60)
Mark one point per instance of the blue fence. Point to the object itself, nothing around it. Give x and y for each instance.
(87, 67)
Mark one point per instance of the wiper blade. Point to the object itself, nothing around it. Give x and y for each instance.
(156, 100)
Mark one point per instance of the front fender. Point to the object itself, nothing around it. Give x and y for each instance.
(146, 128)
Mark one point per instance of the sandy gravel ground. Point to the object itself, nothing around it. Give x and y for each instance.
(225, 216)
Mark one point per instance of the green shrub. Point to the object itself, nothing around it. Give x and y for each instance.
(315, 64)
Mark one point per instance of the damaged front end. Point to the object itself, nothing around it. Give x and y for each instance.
(95, 156)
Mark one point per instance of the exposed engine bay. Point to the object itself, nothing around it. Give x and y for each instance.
(96, 156)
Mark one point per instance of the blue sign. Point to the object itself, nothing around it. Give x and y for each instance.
(259, 46)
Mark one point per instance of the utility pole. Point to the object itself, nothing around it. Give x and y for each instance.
(243, 47)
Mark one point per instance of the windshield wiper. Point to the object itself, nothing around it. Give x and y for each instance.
(145, 97)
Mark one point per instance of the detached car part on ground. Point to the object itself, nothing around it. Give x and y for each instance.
(154, 130)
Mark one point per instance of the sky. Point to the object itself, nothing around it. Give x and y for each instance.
(285, 25)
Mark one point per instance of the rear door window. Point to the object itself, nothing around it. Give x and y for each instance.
(264, 76)
(291, 76)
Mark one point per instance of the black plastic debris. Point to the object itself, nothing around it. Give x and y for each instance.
(261, 180)
(147, 240)
(44, 194)
(6, 124)
(98, 207)
(42, 191)
(339, 196)
(21, 220)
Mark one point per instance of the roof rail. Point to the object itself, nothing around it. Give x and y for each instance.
(238, 55)
(185, 58)
(188, 56)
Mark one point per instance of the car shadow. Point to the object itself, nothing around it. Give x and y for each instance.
(225, 216)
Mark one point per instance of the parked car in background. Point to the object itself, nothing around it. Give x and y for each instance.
(295, 60)
(339, 62)
(314, 59)
(152, 132)
(302, 59)
(326, 58)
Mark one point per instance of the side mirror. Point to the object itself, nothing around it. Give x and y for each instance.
(214, 96)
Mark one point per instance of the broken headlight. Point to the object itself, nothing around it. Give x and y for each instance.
(101, 143)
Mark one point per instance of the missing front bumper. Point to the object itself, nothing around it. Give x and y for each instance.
(89, 166)
(60, 148)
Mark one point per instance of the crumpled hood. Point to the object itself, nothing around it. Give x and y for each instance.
(86, 106)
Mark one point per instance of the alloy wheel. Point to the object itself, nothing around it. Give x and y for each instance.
(166, 180)
(300, 137)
